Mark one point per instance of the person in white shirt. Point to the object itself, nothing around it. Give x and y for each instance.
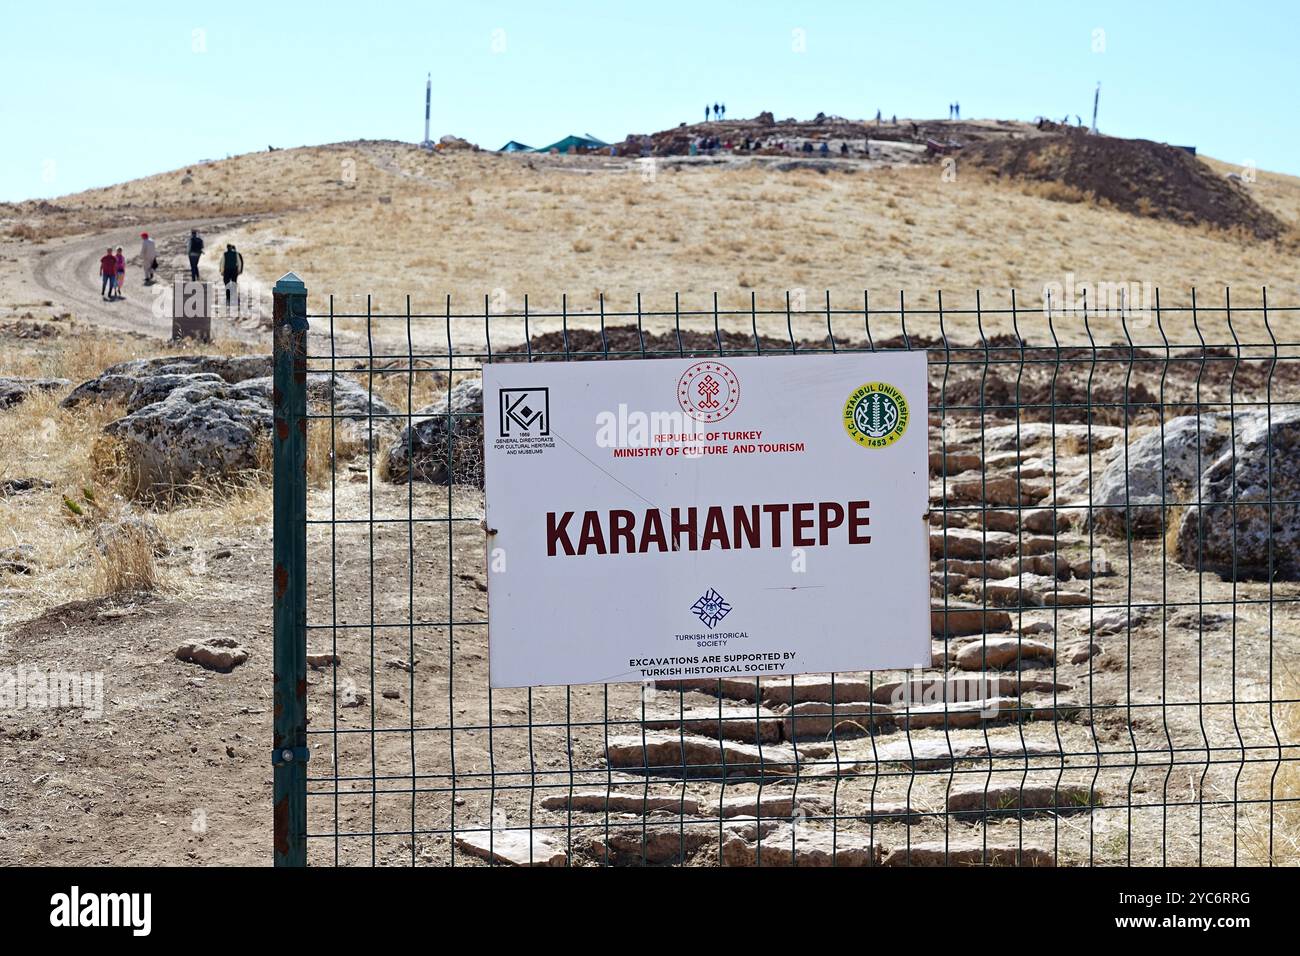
(148, 257)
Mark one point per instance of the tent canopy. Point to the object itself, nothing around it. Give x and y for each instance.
(514, 146)
(573, 144)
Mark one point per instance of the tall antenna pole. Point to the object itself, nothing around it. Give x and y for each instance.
(1095, 97)
(428, 93)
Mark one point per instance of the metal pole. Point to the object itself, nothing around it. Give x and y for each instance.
(428, 93)
(290, 753)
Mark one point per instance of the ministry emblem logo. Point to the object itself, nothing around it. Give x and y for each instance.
(525, 411)
(711, 608)
(708, 391)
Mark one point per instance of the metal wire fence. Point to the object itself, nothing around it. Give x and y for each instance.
(1115, 514)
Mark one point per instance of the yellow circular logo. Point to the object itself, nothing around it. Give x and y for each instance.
(875, 415)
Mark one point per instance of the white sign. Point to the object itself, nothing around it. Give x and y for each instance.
(698, 518)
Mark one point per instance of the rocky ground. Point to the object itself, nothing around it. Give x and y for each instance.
(1114, 611)
(1092, 697)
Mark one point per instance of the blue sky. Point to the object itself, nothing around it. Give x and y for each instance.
(93, 94)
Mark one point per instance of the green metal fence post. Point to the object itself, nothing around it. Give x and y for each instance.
(290, 753)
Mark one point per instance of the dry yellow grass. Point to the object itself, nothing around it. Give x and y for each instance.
(67, 449)
(124, 564)
(484, 225)
(1271, 834)
(374, 223)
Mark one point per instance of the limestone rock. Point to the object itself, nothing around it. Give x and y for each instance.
(1002, 490)
(1082, 653)
(214, 653)
(1001, 651)
(766, 804)
(954, 462)
(664, 753)
(1046, 521)
(654, 845)
(1023, 590)
(976, 798)
(1059, 598)
(513, 847)
(356, 412)
(154, 388)
(823, 688)
(191, 434)
(1110, 620)
(971, 544)
(816, 718)
(1232, 530)
(921, 691)
(943, 751)
(118, 382)
(445, 441)
(957, 619)
(802, 846)
(752, 724)
(1156, 471)
(614, 801)
(1029, 434)
(15, 390)
(958, 714)
(734, 688)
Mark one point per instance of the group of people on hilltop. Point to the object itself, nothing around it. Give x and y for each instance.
(112, 265)
(719, 111)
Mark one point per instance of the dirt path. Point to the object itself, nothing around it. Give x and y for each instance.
(68, 271)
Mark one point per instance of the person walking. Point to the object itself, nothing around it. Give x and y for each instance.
(107, 275)
(148, 257)
(195, 250)
(724, 111)
(119, 261)
(706, 112)
(956, 111)
(232, 266)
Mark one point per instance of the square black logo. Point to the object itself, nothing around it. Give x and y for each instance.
(525, 411)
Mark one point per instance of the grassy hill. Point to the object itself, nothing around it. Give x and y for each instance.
(388, 219)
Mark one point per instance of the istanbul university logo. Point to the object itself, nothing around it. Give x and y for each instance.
(708, 391)
(711, 608)
(875, 415)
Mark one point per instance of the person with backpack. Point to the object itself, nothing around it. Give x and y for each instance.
(232, 267)
(148, 257)
(195, 251)
(107, 275)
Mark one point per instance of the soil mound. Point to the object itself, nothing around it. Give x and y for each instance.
(1134, 175)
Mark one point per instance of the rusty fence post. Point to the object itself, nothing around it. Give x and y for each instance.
(289, 757)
